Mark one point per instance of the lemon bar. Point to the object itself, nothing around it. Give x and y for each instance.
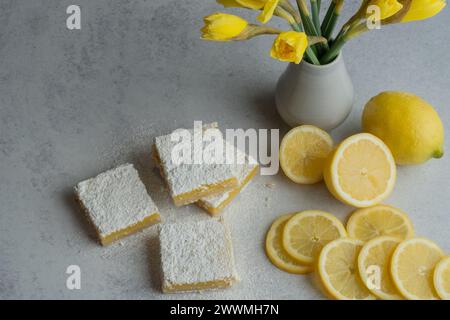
(196, 256)
(189, 182)
(117, 203)
(244, 172)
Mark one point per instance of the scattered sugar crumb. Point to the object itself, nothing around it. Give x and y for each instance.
(266, 202)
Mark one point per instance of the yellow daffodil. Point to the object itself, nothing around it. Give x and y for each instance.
(222, 27)
(268, 10)
(424, 9)
(250, 4)
(289, 46)
(268, 7)
(387, 7)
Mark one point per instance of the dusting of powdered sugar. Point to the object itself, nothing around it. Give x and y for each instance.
(115, 199)
(241, 171)
(196, 252)
(183, 178)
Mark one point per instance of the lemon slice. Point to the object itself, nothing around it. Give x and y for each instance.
(373, 265)
(412, 267)
(441, 278)
(303, 152)
(381, 220)
(307, 232)
(338, 270)
(277, 254)
(361, 172)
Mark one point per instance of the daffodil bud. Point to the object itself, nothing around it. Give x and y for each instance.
(423, 9)
(223, 27)
(268, 11)
(388, 8)
(290, 46)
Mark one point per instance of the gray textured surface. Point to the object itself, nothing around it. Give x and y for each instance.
(74, 103)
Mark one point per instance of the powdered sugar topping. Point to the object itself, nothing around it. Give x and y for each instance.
(115, 199)
(196, 252)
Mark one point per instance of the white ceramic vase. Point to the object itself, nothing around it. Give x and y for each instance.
(316, 95)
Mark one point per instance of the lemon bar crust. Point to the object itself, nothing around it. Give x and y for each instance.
(200, 286)
(152, 219)
(216, 209)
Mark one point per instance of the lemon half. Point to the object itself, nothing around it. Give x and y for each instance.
(303, 152)
(361, 171)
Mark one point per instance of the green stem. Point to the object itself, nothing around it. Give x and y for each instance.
(315, 16)
(286, 5)
(334, 51)
(309, 52)
(349, 25)
(332, 18)
(310, 29)
(307, 23)
(283, 13)
(341, 40)
(312, 56)
(319, 4)
(331, 25)
(306, 27)
(328, 16)
(255, 30)
(358, 16)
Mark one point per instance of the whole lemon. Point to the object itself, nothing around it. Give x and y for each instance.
(408, 125)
